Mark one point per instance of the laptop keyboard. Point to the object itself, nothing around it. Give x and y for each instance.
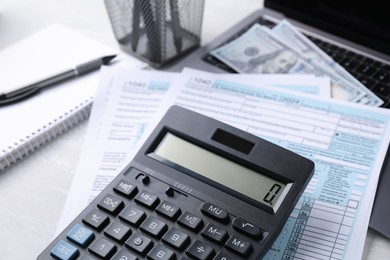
(374, 74)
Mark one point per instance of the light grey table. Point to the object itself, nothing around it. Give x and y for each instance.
(33, 191)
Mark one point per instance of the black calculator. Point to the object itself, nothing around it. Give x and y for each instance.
(197, 189)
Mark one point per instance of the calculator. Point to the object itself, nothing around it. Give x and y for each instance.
(197, 189)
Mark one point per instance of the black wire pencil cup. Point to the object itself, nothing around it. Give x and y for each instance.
(156, 31)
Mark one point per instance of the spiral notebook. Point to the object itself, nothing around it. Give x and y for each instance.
(27, 125)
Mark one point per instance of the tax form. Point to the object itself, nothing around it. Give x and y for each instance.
(347, 142)
(317, 128)
(126, 102)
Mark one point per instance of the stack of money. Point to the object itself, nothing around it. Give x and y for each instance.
(284, 49)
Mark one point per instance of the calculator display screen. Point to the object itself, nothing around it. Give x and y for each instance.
(255, 185)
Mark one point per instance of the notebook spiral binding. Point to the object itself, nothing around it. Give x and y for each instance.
(47, 133)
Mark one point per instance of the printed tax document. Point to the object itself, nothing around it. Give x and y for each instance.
(347, 142)
(125, 104)
(309, 84)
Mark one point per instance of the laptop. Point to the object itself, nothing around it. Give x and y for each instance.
(355, 33)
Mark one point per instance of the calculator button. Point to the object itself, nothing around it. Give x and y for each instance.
(96, 219)
(223, 256)
(124, 255)
(132, 215)
(64, 251)
(154, 227)
(125, 188)
(117, 231)
(87, 257)
(239, 245)
(147, 199)
(214, 212)
(200, 250)
(176, 238)
(145, 179)
(170, 192)
(168, 210)
(139, 243)
(160, 252)
(215, 233)
(80, 235)
(190, 221)
(247, 228)
(102, 248)
(111, 204)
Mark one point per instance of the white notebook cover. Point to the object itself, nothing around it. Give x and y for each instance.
(27, 125)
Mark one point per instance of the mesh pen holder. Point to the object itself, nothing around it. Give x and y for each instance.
(156, 31)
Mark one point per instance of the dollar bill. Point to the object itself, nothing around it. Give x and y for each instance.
(294, 38)
(258, 51)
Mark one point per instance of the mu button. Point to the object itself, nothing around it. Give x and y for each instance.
(214, 211)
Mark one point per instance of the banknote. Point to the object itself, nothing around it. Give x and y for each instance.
(294, 38)
(258, 51)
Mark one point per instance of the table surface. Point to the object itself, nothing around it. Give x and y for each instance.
(33, 191)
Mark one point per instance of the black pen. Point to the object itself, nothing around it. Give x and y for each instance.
(32, 89)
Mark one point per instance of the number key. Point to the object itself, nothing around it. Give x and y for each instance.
(223, 256)
(117, 231)
(154, 227)
(124, 255)
(132, 215)
(160, 252)
(139, 243)
(102, 248)
(176, 238)
(111, 204)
